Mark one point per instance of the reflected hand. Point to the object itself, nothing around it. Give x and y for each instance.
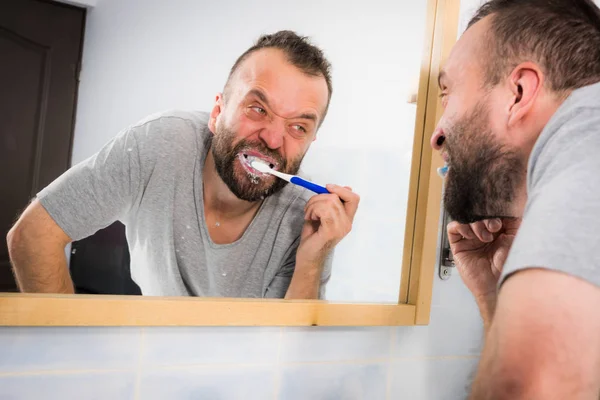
(327, 220)
(480, 250)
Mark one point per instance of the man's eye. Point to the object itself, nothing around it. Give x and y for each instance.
(259, 110)
(300, 128)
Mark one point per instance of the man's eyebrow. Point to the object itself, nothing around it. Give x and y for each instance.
(258, 93)
(309, 116)
(441, 76)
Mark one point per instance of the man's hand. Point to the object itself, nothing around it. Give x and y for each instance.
(327, 220)
(480, 250)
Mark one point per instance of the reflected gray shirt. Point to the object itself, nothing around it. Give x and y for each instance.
(560, 224)
(150, 178)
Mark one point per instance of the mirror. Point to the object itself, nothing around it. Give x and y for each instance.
(140, 58)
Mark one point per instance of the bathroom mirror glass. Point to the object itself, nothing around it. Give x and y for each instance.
(143, 57)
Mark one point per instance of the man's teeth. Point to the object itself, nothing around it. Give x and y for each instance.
(250, 158)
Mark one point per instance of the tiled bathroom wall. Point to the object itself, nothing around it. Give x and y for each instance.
(425, 362)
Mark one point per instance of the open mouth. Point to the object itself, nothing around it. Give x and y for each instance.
(246, 159)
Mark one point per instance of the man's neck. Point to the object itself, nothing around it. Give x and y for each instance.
(217, 196)
(547, 105)
(537, 120)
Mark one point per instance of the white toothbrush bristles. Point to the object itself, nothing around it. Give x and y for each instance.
(260, 166)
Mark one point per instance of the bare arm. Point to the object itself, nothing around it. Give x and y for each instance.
(328, 219)
(543, 341)
(306, 280)
(36, 246)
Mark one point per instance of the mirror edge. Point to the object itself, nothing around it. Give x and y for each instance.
(428, 185)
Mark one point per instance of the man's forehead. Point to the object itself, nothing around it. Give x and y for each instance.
(271, 71)
(261, 61)
(465, 57)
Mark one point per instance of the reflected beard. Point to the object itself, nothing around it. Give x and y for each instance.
(484, 175)
(243, 184)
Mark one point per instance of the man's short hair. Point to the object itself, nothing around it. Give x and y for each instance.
(299, 51)
(561, 36)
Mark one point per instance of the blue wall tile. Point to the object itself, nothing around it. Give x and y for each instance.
(333, 382)
(335, 344)
(51, 348)
(198, 345)
(92, 386)
(453, 331)
(210, 383)
(432, 379)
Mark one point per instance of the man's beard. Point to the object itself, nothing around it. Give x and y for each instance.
(484, 176)
(244, 185)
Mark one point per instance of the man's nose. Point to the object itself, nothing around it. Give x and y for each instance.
(437, 139)
(272, 136)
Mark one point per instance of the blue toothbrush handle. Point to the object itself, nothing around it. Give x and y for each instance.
(309, 185)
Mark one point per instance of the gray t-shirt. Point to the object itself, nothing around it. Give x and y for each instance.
(560, 225)
(150, 178)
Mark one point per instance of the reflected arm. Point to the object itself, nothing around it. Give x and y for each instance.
(36, 246)
(306, 281)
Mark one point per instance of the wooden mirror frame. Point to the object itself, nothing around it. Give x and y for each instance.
(418, 264)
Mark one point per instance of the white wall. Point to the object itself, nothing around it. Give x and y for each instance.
(144, 56)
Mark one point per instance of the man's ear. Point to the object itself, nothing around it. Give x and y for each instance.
(525, 82)
(215, 113)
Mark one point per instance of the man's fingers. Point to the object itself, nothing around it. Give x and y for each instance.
(334, 223)
(457, 232)
(335, 218)
(332, 200)
(324, 209)
(482, 232)
(493, 225)
(466, 231)
(350, 198)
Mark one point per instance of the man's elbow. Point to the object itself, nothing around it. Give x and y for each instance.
(13, 238)
(22, 236)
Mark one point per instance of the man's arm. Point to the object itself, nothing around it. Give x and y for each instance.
(309, 279)
(543, 341)
(328, 219)
(36, 246)
(89, 196)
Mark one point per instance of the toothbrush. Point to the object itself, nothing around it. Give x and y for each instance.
(296, 180)
(442, 171)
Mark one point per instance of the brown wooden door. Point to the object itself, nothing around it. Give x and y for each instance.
(40, 55)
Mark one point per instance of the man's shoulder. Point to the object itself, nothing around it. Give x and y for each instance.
(178, 130)
(194, 118)
(569, 141)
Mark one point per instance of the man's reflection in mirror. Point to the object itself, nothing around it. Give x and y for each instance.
(200, 220)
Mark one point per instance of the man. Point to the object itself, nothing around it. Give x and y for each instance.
(200, 220)
(521, 133)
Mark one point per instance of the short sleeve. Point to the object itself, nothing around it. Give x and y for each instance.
(559, 230)
(96, 192)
